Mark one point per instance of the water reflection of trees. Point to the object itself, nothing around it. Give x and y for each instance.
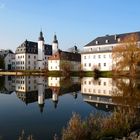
(126, 92)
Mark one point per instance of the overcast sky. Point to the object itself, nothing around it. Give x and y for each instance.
(75, 22)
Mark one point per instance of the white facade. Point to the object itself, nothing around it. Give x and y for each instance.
(99, 60)
(41, 54)
(28, 61)
(55, 62)
(8, 60)
(54, 65)
(99, 57)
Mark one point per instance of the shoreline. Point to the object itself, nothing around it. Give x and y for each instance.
(67, 74)
(56, 73)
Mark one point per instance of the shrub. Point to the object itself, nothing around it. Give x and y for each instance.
(96, 127)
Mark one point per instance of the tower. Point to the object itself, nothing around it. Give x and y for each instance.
(41, 93)
(41, 50)
(55, 45)
(55, 98)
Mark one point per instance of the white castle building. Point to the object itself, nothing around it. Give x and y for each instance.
(98, 53)
(34, 55)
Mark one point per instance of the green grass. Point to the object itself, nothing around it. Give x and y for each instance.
(60, 73)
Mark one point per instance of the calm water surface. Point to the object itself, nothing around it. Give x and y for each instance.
(42, 106)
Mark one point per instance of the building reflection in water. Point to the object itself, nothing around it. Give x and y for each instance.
(107, 93)
(31, 89)
(61, 86)
(98, 92)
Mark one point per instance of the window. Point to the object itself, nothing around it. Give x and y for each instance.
(104, 64)
(89, 64)
(104, 83)
(28, 62)
(99, 64)
(94, 56)
(34, 57)
(28, 56)
(99, 56)
(89, 82)
(119, 39)
(85, 64)
(107, 41)
(89, 90)
(97, 42)
(104, 56)
(84, 57)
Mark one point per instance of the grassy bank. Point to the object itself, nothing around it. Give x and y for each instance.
(58, 73)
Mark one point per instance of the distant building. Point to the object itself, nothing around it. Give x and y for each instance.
(34, 55)
(73, 49)
(7, 56)
(39, 56)
(3, 52)
(10, 61)
(55, 61)
(98, 53)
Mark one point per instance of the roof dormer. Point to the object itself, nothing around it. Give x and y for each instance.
(107, 41)
(97, 42)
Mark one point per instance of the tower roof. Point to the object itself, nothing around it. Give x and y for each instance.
(55, 39)
(41, 38)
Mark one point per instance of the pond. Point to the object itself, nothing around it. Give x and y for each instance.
(42, 106)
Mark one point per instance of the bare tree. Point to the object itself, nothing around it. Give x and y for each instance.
(126, 55)
(65, 68)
